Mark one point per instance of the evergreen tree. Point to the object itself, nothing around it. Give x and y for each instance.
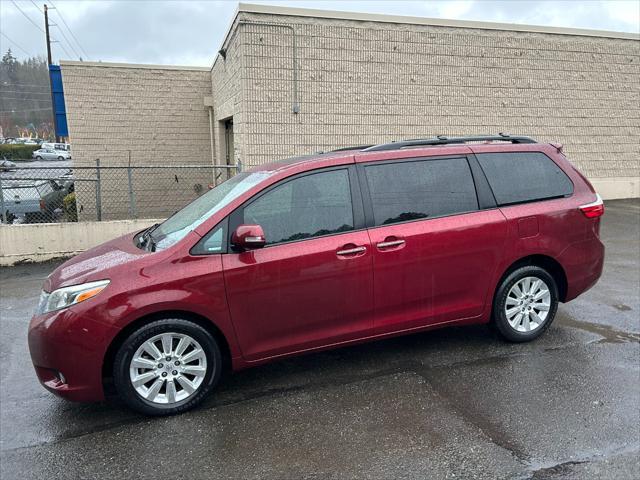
(25, 97)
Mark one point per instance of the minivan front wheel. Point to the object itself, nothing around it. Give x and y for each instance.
(167, 367)
(525, 304)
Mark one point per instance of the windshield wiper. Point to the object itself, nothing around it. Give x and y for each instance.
(146, 240)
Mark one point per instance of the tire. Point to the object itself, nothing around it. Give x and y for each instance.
(517, 326)
(61, 158)
(158, 401)
(38, 157)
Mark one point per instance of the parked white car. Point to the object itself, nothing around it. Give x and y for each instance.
(57, 146)
(51, 154)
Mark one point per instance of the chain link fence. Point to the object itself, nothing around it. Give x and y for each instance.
(62, 192)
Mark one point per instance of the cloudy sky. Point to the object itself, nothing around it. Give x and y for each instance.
(190, 32)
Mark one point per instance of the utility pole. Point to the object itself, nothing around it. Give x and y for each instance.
(46, 29)
(53, 104)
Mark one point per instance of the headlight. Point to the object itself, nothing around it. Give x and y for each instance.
(67, 296)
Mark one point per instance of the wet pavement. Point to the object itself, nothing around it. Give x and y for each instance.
(453, 403)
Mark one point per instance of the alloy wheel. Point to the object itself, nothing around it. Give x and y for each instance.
(168, 368)
(527, 305)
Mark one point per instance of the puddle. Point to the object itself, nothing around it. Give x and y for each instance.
(608, 333)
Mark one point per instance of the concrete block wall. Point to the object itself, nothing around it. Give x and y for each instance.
(153, 115)
(229, 96)
(361, 81)
(364, 82)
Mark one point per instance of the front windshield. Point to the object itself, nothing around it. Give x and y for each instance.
(176, 227)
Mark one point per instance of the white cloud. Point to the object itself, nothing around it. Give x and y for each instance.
(450, 9)
(627, 12)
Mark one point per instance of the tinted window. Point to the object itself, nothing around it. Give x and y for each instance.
(309, 206)
(524, 177)
(420, 189)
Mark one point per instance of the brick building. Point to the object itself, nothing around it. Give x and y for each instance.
(290, 81)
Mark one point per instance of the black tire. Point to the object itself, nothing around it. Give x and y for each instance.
(499, 316)
(127, 350)
(38, 157)
(61, 158)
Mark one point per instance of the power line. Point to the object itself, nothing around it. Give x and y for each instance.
(27, 16)
(36, 5)
(68, 42)
(16, 44)
(70, 31)
(62, 46)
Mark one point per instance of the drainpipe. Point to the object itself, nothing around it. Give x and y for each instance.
(223, 54)
(208, 101)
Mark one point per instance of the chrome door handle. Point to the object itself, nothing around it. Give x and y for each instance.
(351, 251)
(393, 243)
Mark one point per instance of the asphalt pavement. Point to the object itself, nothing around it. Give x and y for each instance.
(38, 168)
(453, 403)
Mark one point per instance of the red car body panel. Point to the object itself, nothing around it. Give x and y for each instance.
(429, 279)
(305, 296)
(283, 298)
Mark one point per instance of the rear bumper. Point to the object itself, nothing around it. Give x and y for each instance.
(67, 350)
(583, 263)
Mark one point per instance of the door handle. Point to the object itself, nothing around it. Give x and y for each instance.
(391, 243)
(351, 251)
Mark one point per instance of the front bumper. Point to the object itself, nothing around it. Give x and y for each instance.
(67, 350)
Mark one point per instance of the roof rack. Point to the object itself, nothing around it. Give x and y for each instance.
(443, 140)
(344, 149)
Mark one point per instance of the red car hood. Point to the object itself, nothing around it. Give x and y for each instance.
(95, 263)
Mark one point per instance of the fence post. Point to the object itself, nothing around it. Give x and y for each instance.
(4, 213)
(132, 199)
(98, 191)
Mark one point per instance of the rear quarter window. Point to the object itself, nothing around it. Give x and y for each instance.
(518, 177)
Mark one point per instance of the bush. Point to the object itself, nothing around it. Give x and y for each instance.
(69, 207)
(17, 151)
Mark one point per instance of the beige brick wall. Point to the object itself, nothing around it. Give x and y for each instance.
(366, 82)
(360, 82)
(153, 115)
(229, 94)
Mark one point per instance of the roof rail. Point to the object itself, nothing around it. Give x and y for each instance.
(344, 149)
(443, 140)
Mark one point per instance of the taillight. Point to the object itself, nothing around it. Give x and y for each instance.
(593, 209)
(42, 205)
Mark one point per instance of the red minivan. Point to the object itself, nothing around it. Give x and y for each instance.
(318, 252)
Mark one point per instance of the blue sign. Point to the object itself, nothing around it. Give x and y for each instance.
(57, 93)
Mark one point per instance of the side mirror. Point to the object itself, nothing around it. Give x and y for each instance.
(248, 237)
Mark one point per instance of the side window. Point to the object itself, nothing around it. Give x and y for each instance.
(212, 242)
(305, 207)
(524, 177)
(403, 191)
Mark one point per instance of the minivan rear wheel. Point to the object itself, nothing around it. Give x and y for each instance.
(525, 304)
(166, 367)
